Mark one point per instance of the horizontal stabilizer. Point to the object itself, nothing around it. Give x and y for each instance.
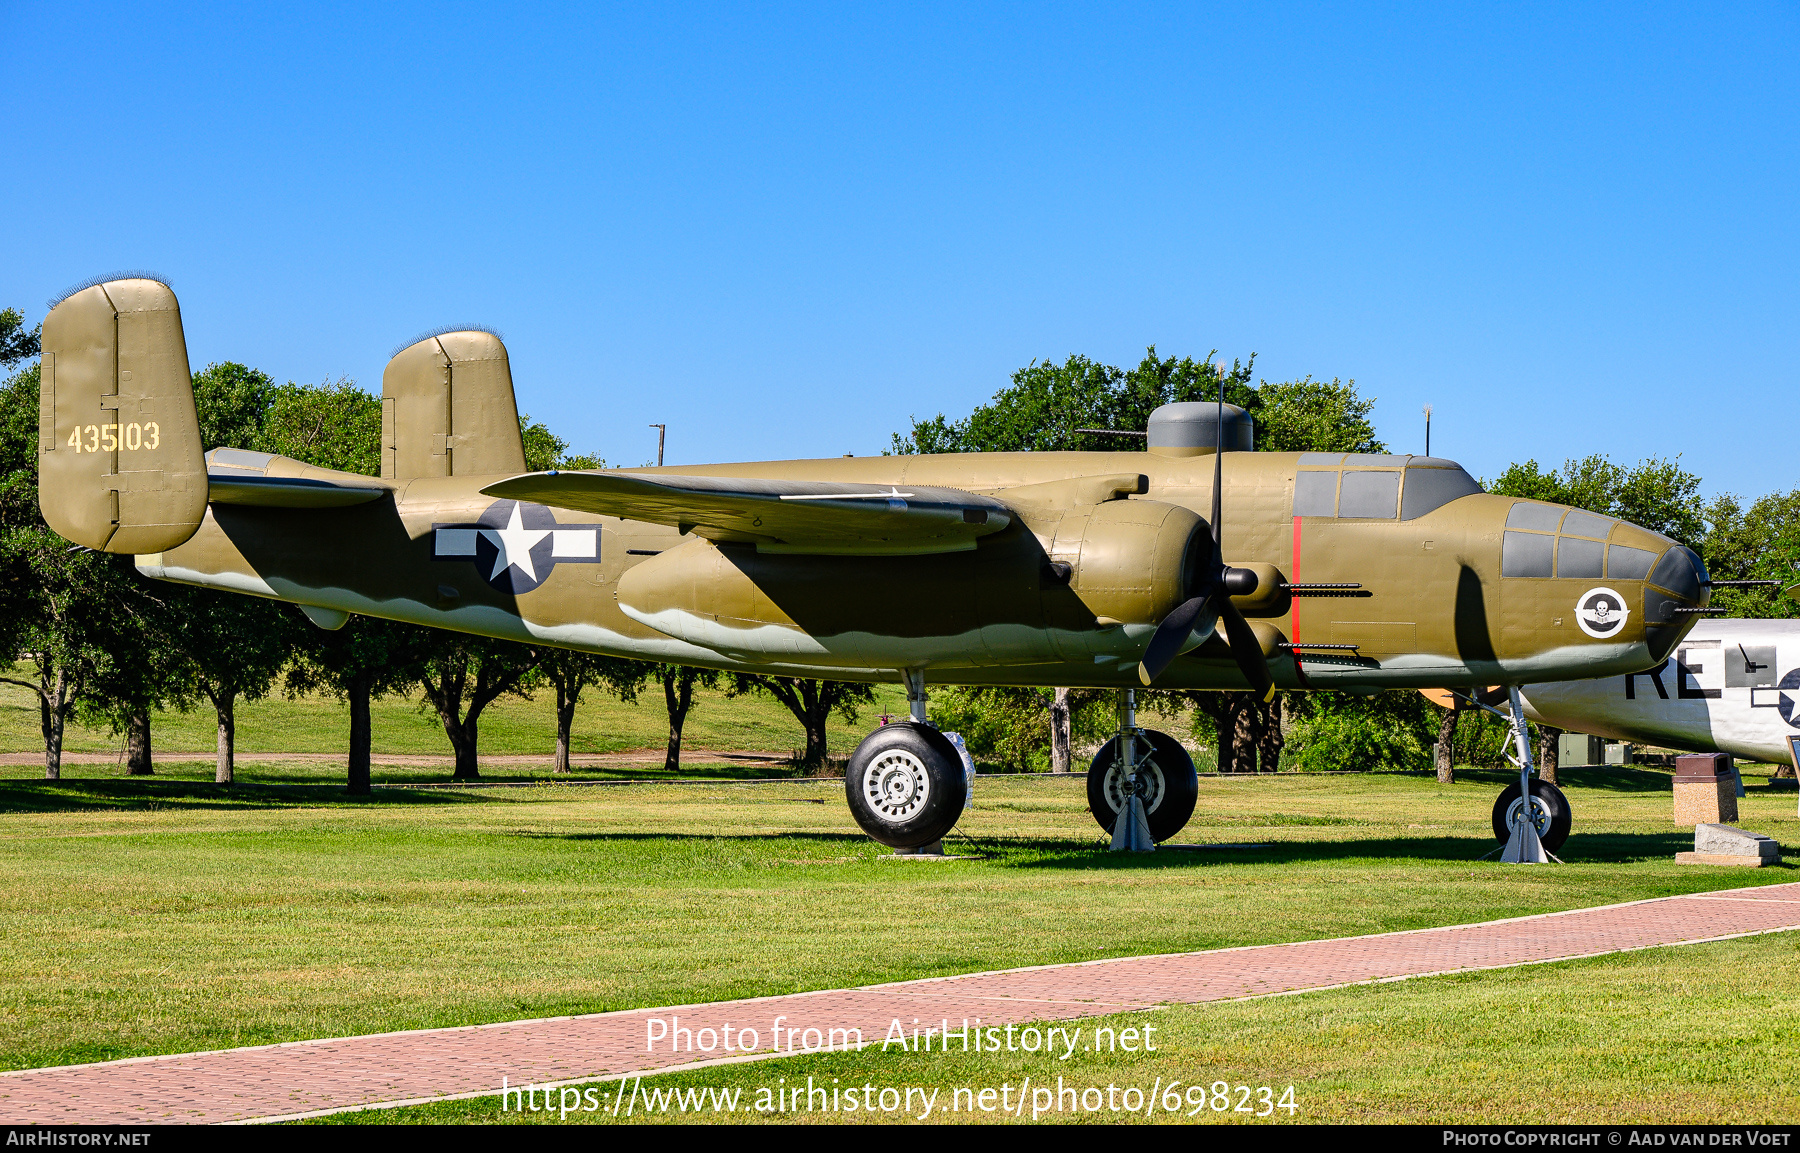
(815, 517)
(236, 476)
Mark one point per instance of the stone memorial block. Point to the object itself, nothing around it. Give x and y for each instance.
(1716, 844)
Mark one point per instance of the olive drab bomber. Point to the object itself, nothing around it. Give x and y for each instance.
(1098, 569)
(1047, 568)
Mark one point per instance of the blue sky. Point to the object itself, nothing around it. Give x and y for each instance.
(786, 229)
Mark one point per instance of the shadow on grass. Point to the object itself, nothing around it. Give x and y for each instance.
(1610, 778)
(680, 838)
(129, 795)
(1581, 848)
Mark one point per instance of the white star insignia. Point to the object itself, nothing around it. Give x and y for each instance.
(514, 543)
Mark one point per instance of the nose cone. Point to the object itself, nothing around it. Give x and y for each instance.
(1678, 582)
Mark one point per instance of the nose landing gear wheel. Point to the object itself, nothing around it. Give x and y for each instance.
(1549, 812)
(905, 785)
(1166, 782)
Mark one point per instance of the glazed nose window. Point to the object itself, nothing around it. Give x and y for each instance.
(1527, 554)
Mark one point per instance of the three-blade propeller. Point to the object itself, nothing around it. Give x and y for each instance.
(1213, 593)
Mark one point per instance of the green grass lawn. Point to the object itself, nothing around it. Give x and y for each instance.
(1688, 1035)
(163, 916)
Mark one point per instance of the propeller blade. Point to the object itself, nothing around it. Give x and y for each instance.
(1170, 636)
(1245, 649)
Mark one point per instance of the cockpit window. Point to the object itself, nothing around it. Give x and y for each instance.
(1431, 488)
(1315, 493)
(1370, 493)
(1344, 485)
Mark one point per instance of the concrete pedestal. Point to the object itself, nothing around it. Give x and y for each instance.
(1705, 789)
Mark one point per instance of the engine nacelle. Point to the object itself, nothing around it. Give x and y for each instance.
(1130, 561)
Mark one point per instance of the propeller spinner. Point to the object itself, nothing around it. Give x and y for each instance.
(1213, 592)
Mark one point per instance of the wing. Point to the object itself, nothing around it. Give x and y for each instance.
(817, 517)
(236, 476)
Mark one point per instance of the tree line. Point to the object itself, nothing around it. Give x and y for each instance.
(96, 641)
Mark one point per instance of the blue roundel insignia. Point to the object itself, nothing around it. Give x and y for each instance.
(1785, 702)
(515, 545)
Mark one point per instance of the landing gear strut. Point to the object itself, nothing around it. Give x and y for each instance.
(905, 782)
(1526, 841)
(1149, 764)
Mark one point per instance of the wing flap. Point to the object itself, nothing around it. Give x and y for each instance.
(809, 517)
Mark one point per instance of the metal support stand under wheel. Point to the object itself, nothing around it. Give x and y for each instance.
(1141, 785)
(1527, 825)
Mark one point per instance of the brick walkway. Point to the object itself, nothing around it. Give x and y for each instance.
(329, 1075)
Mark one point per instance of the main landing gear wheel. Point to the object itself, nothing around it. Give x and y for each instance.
(906, 785)
(1549, 812)
(1165, 779)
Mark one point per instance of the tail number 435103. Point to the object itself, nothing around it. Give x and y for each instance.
(108, 437)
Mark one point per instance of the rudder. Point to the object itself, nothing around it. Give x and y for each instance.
(120, 466)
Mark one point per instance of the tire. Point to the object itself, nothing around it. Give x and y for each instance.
(1172, 784)
(1553, 819)
(905, 785)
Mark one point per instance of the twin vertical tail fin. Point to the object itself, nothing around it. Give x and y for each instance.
(120, 467)
(447, 408)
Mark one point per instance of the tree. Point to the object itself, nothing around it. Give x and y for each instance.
(812, 703)
(234, 647)
(1018, 726)
(1312, 416)
(461, 676)
(678, 682)
(52, 596)
(1341, 732)
(365, 659)
(1046, 403)
(19, 450)
(1062, 753)
(1761, 542)
(1655, 493)
(232, 401)
(1548, 753)
(570, 672)
(1444, 750)
(140, 671)
(331, 425)
(16, 342)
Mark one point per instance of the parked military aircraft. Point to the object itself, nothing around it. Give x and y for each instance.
(1731, 686)
(1311, 570)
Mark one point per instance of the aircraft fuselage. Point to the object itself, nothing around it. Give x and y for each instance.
(1044, 602)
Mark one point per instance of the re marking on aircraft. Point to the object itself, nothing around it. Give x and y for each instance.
(515, 545)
